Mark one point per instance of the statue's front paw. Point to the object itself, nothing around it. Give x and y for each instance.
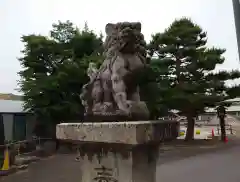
(123, 113)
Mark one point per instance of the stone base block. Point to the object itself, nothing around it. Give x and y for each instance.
(136, 164)
(131, 132)
(118, 151)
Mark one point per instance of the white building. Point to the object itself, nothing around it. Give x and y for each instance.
(233, 110)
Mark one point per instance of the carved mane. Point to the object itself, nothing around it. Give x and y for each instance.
(121, 35)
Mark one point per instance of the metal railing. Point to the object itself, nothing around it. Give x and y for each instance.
(19, 148)
(34, 140)
(227, 128)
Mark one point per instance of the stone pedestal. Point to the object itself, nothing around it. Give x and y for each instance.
(118, 151)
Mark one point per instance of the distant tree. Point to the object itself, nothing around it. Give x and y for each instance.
(63, 32)
(187, 81)
(54, 71)
(10, 97)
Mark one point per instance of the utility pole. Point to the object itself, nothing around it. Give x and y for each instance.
(236, 10)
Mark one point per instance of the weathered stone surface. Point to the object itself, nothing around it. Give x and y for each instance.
(138, 132)
(113, 168)
(113, 89)
(118, 151)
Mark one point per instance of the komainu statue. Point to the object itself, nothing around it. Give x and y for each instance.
(112, 93)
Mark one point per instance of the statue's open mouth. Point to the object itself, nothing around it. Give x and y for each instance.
(128, 47)
(128, 42)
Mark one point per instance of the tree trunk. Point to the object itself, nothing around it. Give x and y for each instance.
(222, 125)
(190, 128)
(178, 71)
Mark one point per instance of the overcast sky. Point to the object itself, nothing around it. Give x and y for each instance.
(21, 17)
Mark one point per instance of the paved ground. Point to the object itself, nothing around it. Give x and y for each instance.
(219, 166)
(61, 168)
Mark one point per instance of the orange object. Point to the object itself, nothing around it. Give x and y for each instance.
(213, 132)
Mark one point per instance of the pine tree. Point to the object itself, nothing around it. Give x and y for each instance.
(54, 71)
(186, 66)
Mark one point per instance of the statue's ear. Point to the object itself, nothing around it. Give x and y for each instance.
(138, 26)
(110, 29)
